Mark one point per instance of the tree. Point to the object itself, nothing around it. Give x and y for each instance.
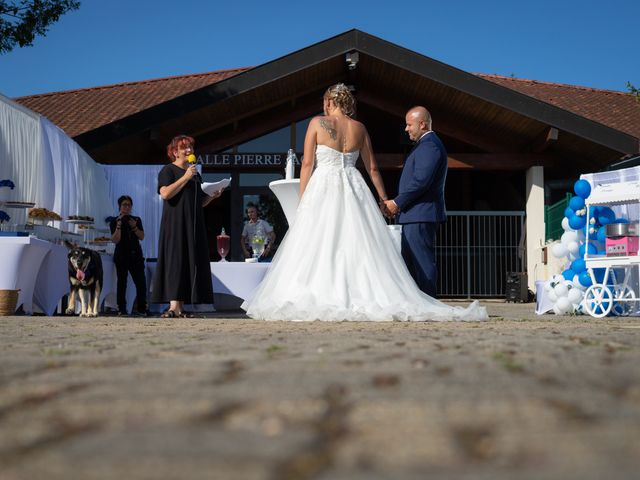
(22, 20)
(634, 91)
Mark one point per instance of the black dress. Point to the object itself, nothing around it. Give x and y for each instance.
(183, 250)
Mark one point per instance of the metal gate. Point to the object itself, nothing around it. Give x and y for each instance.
(476, 250)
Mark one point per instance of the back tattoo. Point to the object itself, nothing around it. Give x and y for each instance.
(333, 133)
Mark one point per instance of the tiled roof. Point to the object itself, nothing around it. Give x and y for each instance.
(618, 110)
(79, 111)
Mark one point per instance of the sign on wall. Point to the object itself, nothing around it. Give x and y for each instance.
(226, 160)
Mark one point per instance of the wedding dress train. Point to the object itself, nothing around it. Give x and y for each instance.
(338, 261)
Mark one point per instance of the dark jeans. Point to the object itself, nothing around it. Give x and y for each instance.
(135, 266)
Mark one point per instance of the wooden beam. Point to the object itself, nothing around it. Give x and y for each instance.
(543, 141)
(457, 131)
(473, 161)
(255, 126)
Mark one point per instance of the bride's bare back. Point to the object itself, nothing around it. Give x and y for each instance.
(340, 133)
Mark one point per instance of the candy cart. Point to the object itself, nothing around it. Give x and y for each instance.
(614, 274)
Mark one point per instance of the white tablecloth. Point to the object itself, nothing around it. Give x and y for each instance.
(239, 279)
(110, 286)
(39, 269)
(233, 279)
(21, 261)
(52, 282)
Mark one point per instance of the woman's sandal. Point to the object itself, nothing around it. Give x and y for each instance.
(170, 314)
(185, 315)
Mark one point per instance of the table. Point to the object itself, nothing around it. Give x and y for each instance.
(22, 258)
(52, 281)
(110, 286)
(233, 283)
(239, 279)
(39, 269)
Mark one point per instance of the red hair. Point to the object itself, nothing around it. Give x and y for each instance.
(177, 142)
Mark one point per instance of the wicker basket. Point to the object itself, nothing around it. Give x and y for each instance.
(8, 302)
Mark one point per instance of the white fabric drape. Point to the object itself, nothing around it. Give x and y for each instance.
(79, 183)
(47, 167)
(140, 182)
(21, 157)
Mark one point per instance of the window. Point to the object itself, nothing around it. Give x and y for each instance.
(277, 141)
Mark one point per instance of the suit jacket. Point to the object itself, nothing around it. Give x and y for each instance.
(421, 190)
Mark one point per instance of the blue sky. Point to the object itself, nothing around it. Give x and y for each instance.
(589, 43)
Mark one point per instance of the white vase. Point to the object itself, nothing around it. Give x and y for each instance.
(4, 194)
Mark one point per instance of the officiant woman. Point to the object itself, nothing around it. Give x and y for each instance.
(183, 274)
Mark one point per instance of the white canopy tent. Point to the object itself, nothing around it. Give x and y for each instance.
(47, 167)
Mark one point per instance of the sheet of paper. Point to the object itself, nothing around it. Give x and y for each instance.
(212, 187)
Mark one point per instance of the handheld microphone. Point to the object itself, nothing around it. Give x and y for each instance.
(192, 159)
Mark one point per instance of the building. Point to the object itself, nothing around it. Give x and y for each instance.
(512, 143)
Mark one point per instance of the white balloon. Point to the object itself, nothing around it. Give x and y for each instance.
(572, 256)
(557, 310)
(567, 237)
(552, 296)
(581, 236)
(559, 250)
(577, 284)
(575, 295)
(564, 305)
(565, 224)
(561, 290)
(547, 286)
(573, 247)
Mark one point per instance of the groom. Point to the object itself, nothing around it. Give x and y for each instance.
(420, 201)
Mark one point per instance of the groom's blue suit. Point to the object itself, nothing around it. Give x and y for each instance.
(421, 203)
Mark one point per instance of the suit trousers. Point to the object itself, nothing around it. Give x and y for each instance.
(419, 253)
(135, 266)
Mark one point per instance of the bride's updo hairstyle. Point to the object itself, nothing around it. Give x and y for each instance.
(342, 97)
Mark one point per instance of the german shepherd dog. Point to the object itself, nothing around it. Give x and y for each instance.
(85, 280)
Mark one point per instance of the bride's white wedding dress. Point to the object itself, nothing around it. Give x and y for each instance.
(338, 260)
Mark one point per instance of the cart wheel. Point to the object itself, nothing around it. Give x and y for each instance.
(598, 300)
(628, 304)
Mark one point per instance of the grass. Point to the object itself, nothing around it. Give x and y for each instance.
(507, 361)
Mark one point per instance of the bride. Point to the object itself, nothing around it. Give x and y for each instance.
(338, 260)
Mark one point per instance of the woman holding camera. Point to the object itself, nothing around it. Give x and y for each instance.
(126, 233)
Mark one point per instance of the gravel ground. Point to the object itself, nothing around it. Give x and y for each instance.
(226, 397)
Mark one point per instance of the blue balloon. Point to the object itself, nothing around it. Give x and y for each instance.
(577, 222)
(585, 279)
(602, 234)
(568, 274)
(606, 216)
(568, 212)
(602, 252)
(578, 266)
(582, 188)
(599, 274)
(589, 247)
(620, 220)
(576, 203)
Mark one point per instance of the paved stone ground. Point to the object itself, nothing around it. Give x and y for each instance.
(224, 397)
